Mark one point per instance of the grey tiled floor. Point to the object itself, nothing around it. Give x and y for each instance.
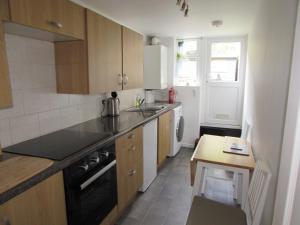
(167, 201)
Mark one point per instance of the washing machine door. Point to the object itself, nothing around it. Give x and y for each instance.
(180, 129)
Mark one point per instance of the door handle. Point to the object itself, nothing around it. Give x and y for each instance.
(132, 148)
(120, 79)
(55, 23)
(131, 136)
(125, 79)
(132, 172)
(97, 175)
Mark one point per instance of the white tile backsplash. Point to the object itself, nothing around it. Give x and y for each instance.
(37, 108)
(24, 128)
(43, 76)
(21, 76)
(70, 116)
(5, 137)
(50, 121)
(15, 48)
(36, 100)
(128, 97)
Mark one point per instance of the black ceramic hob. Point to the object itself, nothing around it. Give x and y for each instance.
(57, 145)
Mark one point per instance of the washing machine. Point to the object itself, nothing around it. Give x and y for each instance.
(177, 128)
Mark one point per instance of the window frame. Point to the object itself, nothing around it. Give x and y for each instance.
(241, 62)
(196, 56)
(237, 61)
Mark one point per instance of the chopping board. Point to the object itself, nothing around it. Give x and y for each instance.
(18, 169)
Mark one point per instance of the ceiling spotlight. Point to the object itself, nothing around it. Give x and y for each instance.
(183, 6)
(186, 12)
(217, 23)
(178, 2)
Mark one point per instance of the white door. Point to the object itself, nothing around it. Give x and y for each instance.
(224, 82)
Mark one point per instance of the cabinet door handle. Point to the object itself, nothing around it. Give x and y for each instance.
(120, 79)
(55, 24)
(132, 148)
(131, 136)
(6, 221)
(125, 79)
(132, 172)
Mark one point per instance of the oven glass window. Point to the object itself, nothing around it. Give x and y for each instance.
(92, 204)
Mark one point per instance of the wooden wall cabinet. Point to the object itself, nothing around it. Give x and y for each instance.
(5, 85)
(104, 53)
(164, 137)
(4, 10)
(113, 56)
(57, 16)
(133, 59)
(129, 154)
(92, 66)
(71, 67)
(43, 204)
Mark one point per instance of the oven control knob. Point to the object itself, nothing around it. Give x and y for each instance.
(106, 154)
(95, 160)
(84, 167)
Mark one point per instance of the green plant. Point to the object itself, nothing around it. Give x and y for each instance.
(179, 56)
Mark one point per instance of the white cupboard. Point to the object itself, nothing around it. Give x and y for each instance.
(155, 67)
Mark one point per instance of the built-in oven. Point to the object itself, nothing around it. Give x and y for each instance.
(91, 187)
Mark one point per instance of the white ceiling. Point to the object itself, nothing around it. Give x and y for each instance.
(163, 17)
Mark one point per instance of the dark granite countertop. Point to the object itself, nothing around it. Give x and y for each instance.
(114, 126)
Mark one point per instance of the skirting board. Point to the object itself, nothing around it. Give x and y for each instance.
(187, 145)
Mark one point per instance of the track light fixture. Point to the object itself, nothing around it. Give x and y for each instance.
(184, 6)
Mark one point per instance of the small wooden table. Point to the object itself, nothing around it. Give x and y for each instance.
(209, 154)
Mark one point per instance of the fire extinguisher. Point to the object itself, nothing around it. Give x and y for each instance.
(171, 95)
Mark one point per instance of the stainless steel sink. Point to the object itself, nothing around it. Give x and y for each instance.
(147, 108)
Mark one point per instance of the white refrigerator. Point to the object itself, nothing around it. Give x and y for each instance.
(150, 153)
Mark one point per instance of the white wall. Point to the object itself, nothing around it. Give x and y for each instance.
(290, 156)
(269, 60)
(296, 215)
(37, 109)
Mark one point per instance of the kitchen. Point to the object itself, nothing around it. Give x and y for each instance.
(100, 107)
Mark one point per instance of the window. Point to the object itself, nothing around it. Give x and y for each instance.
(187, 66)
(224, 61)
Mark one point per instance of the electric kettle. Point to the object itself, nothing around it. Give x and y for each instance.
(112, 105)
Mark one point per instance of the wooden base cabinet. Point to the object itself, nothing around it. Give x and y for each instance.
(43, 204)
(164, 137)
(129, 154)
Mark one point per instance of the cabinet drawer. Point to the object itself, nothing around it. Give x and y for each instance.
(129, 154)
(129, 139)
(57, 16)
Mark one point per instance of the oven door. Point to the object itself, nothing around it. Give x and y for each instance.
(90, 202)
